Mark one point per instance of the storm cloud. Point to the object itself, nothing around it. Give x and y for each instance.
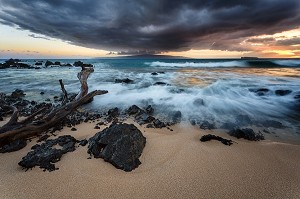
(152, 26)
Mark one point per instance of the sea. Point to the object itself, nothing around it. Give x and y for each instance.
(262, 94)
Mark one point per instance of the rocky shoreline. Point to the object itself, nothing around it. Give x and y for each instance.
(109, 143)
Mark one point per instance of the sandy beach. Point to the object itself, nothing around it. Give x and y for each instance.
(175, 164)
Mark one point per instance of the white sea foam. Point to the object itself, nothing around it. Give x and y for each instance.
(198, 64)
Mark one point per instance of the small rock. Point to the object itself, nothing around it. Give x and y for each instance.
(247, 134)
(209, 137)
(73, 129)
(126, 81)
(282, 92)
(198, 102)
(207, 125)
(83, 142)
(159, 124)
(96, 127)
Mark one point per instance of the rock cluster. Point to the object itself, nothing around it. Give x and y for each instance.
(46, 154)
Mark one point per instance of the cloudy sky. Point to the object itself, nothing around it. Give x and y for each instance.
(191, 28)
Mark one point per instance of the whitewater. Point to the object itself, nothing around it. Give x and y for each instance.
(218, 91)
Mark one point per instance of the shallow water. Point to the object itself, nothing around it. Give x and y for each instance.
(217, 91)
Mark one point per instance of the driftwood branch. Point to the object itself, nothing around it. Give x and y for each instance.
(83, 75)
(32, 126)
(65, 98)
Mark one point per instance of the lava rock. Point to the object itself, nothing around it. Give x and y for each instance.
(198, 102)
(159, 124)
(209, 137)
(260, 91)
(96, 127)
(114, 112)
(272, 123)
(144, 118)
(18, 93)
(48, 63)
(160, 83)
(282, 92)
(149, 109)
(126, 81)
(247, 134)
(154, 73)
(45, 155)
(207, 125)
(119, 144)
(83, 142)
(134, 109)
(13, 146)
(176, 117)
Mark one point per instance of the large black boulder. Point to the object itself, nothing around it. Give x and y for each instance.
(119, 144)
(46, 154)
(247, 134)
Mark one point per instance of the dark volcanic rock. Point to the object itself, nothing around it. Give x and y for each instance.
(144, 118)
(260, 91)
(149, 109)
(176, 117)
(46, 154)
(272, 123)
(154, 73)
(209, 137)
(57, 63)
(247, 134)
(160, 83)
(83, 142)
(282, 92)
(13, 146)
(81, 64)
(119, 144)
(126, 81)
(159, 124)
(134, 109)
(207, 125)
(17, 93)
(198, 102)
(48, 63)
(78, 63)
(114, 112)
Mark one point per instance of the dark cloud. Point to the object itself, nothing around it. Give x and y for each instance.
(261, 40)
(38, 37)
(288, 42)
(154, 26)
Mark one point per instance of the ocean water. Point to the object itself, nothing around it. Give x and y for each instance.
(218, 91)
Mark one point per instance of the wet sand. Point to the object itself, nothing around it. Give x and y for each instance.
(175, 164)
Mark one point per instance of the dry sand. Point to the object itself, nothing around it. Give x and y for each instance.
(174, 165)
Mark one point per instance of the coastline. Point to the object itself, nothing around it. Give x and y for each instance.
(175, 164)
